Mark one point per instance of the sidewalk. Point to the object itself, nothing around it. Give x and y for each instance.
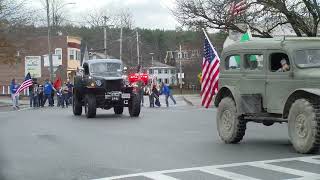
(195, 100)
(5, 101)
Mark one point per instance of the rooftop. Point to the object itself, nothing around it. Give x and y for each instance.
(275, 43)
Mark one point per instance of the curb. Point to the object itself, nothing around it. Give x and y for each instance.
(187, 101)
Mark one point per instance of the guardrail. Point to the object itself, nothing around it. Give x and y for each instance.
(5, 90)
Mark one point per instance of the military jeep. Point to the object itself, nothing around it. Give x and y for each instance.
(101, 85)
(253, 87)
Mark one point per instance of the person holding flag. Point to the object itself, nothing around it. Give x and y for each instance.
(13, 89)
(25, 84)
(210, 72)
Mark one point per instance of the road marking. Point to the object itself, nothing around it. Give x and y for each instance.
(283, 169)
(216, 170)
(226, 174)
(157, 176)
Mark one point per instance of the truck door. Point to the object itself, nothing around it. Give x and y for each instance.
(252, 83)
(278, 81)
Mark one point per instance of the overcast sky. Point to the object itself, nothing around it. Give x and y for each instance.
(147, 13)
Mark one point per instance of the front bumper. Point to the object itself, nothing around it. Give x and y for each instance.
(115, 98)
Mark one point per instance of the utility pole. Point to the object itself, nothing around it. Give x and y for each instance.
(49, 41)
(180, 71)
(121, 43)
(138, 53)
(105, 35)
(151, 58)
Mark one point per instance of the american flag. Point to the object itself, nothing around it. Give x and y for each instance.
(26, 83)
(210, 73)
(237, 7)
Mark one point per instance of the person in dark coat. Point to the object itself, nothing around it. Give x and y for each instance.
(48, 90)
(40, 95)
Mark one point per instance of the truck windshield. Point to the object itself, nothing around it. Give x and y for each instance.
(105, 68)
(308, 58)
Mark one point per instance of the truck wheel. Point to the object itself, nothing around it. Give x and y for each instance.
(118, 110)
(134, 106)
(230, 126)
(76, 106)
(304, 126)
(90, 106)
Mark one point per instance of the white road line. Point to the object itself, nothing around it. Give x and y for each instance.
(283, 169)
(226, 174)
(157, 176)
(215, 170)
(306, 178)
(310, 160)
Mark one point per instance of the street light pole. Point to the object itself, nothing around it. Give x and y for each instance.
(138, 53)
(121, 43)
(151, 58)
(105, 35)
(49, 41)
(180, 71)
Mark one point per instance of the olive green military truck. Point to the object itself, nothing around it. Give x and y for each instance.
(101, 84)
(271, 81)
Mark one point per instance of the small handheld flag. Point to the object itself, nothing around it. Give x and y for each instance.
(25, 84)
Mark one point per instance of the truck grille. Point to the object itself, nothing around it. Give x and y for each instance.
(113, 85)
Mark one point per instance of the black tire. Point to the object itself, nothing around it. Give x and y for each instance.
(231, 127)
(134, 106)
(268, 123)
(118, 109)
(304, 126)
(90, 105)
(76, 106)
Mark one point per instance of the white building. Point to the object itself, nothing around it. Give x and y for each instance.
(163, 73)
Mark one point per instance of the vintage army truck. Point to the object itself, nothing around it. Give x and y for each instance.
(271, 81)
(101, 85)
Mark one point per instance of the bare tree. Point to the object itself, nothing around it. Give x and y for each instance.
(262, 16)
(13, 14)
(124, 19)
(97, 17)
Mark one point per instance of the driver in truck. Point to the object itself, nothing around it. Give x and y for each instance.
(285, 67)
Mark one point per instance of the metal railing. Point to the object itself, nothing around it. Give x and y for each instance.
(5, 90)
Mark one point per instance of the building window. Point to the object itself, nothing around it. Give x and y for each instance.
(72, 54)
(166, 80)
(185, 55)
(160, 80)
(160, 71)
(173, 71)
(150, 71)
(58, 52)
(78, 55)
(166, 71)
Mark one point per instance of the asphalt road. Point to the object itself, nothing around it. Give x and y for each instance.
(52, 144)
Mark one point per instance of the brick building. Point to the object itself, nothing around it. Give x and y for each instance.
(33, 57)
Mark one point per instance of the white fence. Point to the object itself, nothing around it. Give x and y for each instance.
(5, 90)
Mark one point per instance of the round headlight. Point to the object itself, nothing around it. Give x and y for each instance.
(98, 83)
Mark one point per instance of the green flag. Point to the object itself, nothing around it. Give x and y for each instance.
(246, 37)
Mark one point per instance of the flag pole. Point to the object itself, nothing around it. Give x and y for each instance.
(205, 33)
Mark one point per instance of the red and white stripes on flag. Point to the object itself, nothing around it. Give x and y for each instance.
(25, 84)
(210, 73)
(237, 7)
